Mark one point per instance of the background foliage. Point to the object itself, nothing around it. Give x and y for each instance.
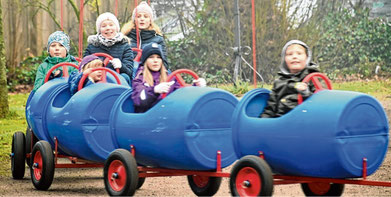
(345, 39)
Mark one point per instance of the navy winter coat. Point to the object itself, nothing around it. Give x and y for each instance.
(146, 37)
(120, 50)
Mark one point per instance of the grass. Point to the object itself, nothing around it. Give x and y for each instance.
(15, 120)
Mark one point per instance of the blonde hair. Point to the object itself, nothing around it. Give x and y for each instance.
(147, 75)
(93, 64)
(131, 25)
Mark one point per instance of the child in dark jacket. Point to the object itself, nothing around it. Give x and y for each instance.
(110, 41)
(295, 66)
(58, 47)
(86, 65)
(149, 83)
(149, 32)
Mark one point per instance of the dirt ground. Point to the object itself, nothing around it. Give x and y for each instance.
(89, 182)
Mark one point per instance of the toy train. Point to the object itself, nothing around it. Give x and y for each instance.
(196, 130)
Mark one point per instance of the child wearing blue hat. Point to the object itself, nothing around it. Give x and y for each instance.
(58, 47)
(150, 81)
(86, 65)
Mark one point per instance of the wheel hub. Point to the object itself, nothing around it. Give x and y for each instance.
(246, 184)
(114, 175)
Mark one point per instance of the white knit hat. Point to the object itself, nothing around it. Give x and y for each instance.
(143, 7)
(105, 16)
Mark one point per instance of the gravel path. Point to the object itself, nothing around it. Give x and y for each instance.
(89, 182)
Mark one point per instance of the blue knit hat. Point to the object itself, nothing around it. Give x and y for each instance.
(150, 49)
(60, 37)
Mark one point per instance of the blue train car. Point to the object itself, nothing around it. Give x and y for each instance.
(328, 135)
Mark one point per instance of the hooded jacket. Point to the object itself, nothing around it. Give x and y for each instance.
(283, 96)
(47, 64)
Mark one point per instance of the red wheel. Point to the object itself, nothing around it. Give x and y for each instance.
(318, 85)
(178, 77)
(204, 185)
(251, 176)
(120, 173)
(118, 177)
(42, 168)
(64, 69)
(107, 59)
(248, 182)
(84, 77)
(322, 189)
(37, 166)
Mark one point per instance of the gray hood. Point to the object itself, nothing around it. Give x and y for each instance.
(284, 68)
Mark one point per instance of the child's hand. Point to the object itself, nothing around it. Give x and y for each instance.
(87, 71)
(200, 82)
(300, 86)
(57, 73)
(163, 87)
(116, 63)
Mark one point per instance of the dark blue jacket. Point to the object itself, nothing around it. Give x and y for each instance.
(146, 37)
(120, 50)
(74, 79)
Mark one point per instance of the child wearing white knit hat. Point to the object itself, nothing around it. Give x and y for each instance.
(112, 42)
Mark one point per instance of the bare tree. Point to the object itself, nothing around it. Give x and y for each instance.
(4, 108)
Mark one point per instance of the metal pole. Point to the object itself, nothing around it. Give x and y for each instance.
(237, 48)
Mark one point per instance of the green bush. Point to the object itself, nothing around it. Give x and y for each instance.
(353, 43)
(25, 75)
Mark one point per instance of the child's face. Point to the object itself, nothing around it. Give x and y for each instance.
(108, 29)
(295, 58)
(154, 62)
(57, 50)
(143, 20)
(96, 75)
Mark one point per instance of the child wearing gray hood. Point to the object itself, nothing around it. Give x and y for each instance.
(295, 66)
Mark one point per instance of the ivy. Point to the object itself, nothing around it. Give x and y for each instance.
(354, 43)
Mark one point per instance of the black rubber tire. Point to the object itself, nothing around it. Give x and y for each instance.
(29, 134)
(258, 166)
(140, 182)
(18, 155)
(334, 190)
(131, 172)
(209, 189)
(44, 179)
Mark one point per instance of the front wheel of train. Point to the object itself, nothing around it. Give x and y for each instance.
(322, 189)
(251, 176)
(120, 173)
(204, 185)
(18, 155)
(42, 168)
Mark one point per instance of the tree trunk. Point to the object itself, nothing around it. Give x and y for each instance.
(4, 109)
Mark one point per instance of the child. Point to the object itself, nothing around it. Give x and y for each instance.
(149, 32)
(86, 65)
(58, 48)
(149, 82)
(295, 66)
(110, 41)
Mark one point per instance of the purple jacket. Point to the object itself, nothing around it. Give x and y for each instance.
(143, 95)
